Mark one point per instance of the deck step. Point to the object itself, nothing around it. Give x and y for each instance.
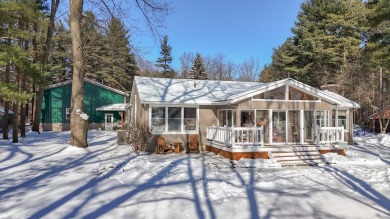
(297, 155)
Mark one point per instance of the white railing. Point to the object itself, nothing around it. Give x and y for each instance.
(236, 136)
(329, 135)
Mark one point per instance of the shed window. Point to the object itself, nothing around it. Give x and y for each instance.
(67, 115)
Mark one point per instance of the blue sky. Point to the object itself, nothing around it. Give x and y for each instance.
(237, 29)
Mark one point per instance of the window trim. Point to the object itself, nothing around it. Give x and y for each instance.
(233, 116)
(336, 120)
(182, 131)
(67, 112)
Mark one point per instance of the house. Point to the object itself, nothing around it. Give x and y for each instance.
(242, 119)
(105, 106)
(374, 121)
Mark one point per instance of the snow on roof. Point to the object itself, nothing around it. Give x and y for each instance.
(346, 103)
(2, 110)
(204, 92)
(190, 91)
(114, 107)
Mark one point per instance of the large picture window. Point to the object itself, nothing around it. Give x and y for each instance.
(173, 119)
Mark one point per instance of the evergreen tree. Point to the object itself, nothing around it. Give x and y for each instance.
(325, 44)
(94, 46)
(118, 61)
(198, 70)
(166, 58)
(60, 56)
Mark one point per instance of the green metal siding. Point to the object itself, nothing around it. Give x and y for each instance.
(57, 99)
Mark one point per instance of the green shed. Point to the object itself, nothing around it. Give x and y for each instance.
(55, 114)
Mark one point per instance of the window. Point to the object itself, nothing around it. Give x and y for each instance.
(190, 118)
(275, 94)
(67, 115)
(227, 118)
(322, 118)
(173, 119)
(339, 118)
(158, 119)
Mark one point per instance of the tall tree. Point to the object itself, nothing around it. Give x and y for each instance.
(43, 62)
(198, 70)
(166, 58)
(326, 41)
(78, 124)
(118, 61)
(377, 51)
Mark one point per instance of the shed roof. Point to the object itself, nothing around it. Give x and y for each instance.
(114, 107)
(385, 112)
(210, 92)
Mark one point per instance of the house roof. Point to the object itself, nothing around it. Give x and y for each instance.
(206, 92)
(385, 112)
(89, 81)
(114, 107)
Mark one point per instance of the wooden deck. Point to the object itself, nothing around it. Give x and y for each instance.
(286, 155)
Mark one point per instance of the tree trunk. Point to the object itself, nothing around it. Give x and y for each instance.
(22, 123)
(78, 126)
(15, 123)
(45, 59)
(6, 106)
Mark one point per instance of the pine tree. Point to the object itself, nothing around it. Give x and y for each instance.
(166, 58)
(198, 70)
(326, 42)
(60, 56)
(118, 64)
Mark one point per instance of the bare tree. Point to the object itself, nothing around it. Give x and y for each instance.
(249, 70)
(186, 61)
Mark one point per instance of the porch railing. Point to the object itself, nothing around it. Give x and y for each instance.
(236, 136)
(329, 135)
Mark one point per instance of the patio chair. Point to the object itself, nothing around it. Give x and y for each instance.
(162, 147)
(192, 144)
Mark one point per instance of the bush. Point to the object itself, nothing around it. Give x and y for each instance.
(139, 136)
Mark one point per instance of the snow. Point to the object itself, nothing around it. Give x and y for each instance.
(82, 114)
(43, 177)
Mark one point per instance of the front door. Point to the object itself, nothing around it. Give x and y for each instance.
(308, 126)
(293, 126)
(278, 126)
(108, 122)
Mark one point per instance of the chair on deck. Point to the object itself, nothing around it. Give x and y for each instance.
(193, 144)
(162, 147)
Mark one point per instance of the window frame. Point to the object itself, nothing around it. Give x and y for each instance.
(233, 117)
(182, 125)
(67, 112)
(335, 118)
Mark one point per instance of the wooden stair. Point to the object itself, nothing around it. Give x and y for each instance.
(296, 155)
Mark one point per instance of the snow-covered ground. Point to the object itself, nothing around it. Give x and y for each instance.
(43, 177)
